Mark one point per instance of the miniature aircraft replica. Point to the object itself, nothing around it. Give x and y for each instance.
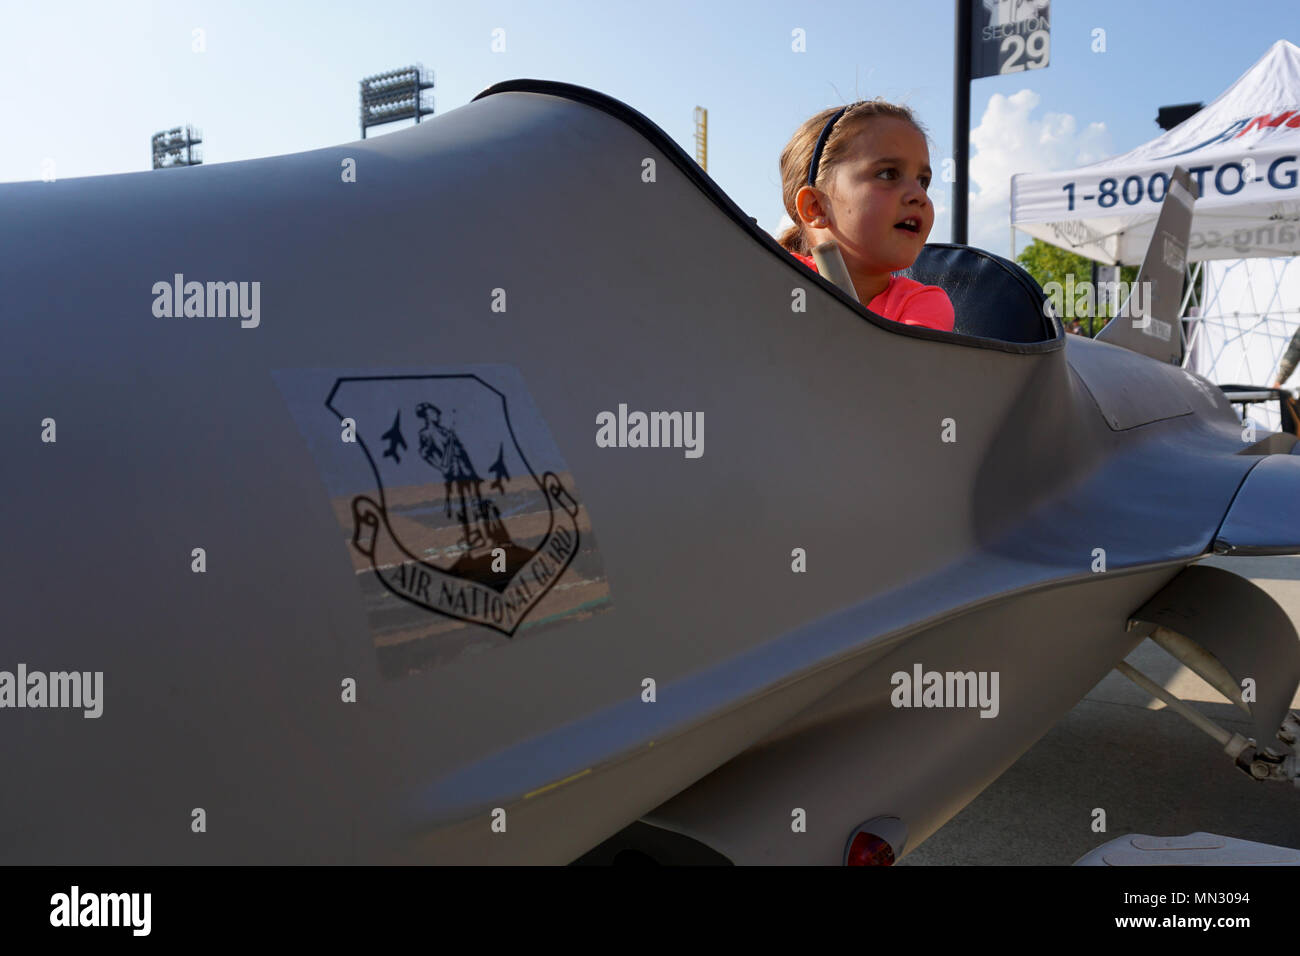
(380, 503)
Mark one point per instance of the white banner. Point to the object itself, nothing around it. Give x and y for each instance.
(1242, 151)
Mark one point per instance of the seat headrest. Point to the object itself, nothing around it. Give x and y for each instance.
(991, 297)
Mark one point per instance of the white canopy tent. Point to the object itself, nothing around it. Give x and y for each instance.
(1243, 151)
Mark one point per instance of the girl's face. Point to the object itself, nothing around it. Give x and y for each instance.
(882, 183)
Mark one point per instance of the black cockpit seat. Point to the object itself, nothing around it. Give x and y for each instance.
(991, 297)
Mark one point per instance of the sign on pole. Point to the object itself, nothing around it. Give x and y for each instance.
(1009, 36)
(992, 37)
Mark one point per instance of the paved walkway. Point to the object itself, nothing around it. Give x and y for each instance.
(1121, 750)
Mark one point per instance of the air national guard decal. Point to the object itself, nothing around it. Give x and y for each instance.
(462, 520)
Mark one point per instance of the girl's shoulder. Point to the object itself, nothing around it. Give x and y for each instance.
(915, 303)
(806, 260)
(902, 285)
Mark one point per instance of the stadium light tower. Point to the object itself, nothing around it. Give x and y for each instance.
(175, 147)
(393, 96)
(702, 137)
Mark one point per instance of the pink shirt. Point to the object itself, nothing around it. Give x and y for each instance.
(907, 301)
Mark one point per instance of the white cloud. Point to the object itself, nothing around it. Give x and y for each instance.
(1008, 140)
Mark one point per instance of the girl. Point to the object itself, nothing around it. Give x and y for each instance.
(859, 175)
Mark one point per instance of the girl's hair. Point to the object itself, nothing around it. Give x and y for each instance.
(797, 156)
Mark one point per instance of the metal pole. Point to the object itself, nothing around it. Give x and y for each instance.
(1096, 303)
(1202, 663)
(961, 118)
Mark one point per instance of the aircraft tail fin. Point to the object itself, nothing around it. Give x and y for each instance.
(1149, 321)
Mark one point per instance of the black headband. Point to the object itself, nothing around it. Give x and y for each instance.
(821, 143)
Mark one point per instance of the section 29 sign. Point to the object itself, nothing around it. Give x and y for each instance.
(1008, 36)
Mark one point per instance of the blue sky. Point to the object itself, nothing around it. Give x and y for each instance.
(87, 83)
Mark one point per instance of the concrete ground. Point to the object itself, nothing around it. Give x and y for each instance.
(1126, 752)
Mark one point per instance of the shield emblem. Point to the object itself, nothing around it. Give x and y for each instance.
(460, 524)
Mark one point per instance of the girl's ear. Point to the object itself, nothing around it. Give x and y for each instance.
(811, 205)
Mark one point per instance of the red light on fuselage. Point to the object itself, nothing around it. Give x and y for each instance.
(867, 849)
